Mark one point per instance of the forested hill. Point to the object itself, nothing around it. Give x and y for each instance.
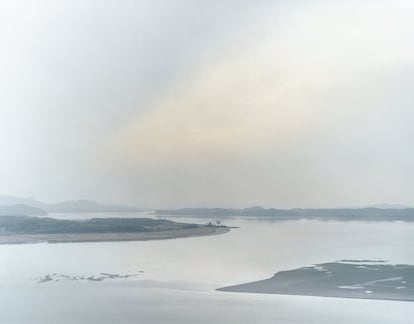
(46, 225)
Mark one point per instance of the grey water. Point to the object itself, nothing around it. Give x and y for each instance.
(174, 281)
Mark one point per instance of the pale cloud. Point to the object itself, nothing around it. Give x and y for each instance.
(284, 103)
(296, 113)
(278, 84)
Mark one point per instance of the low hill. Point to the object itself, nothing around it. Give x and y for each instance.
(366, 214)
(47, 225)
(11, 200)
(21, 210)
(70, 206)
(87, 206)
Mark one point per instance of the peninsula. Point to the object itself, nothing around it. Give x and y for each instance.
(27, 229)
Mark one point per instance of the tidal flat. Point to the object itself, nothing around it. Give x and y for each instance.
(363, 279)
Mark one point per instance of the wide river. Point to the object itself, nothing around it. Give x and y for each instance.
(173, 281)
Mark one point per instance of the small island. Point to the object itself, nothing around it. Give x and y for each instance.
(363, 279)
(28, 229)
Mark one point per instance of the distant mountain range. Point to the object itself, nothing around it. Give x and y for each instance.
(87, 206)
(368, 214)
(389, 206)
(10, 205)
(21, 210)
(10, 200)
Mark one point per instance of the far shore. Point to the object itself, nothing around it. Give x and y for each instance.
(111, 237)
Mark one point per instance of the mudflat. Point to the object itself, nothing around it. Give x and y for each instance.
(363, 279)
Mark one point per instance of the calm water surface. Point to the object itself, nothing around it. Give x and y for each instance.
(179, 276)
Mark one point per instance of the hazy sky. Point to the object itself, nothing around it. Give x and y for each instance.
(208, 103)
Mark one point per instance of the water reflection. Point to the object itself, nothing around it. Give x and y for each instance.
(179, 271)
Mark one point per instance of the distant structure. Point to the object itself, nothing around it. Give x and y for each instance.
(216, 223)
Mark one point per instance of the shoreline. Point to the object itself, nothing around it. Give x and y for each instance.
(13, 239)
(317, 294)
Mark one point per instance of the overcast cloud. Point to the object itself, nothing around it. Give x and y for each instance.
(218, 103)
